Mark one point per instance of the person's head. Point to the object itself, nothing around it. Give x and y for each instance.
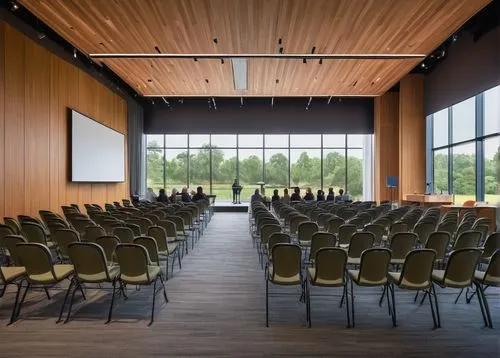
(309, 191)
(235, 181)
(285, 191)
(199, 190)
(184, 190)
(256, 191)
(275, 192)
(192, 192)
(162, 191)
(320, 192)
(297, 190)
(330, 190)
(150, 190)
(341, 191)
(174, 191)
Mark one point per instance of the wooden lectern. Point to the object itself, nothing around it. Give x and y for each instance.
(428, 201)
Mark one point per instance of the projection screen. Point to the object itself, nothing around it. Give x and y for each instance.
(97, 152)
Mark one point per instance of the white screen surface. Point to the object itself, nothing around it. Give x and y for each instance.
(97, 152)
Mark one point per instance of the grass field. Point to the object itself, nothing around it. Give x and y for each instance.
(489, 198)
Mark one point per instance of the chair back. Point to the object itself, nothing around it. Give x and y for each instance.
(160, 235)
(9, 243)
(38, 262)
(295, 222)
(423, 230)
(330, 266)
(150, 244)
(287, 262)
(448, 226)
(53, 226)
(334, 224)
(438, 241)
(377, 230)
(13, 224)
(125, 234)
(360, 241)
(34, 233)
(108, 244)
(267, 230)
(461, 267)
(402, 243)
(63, 238)
(93, 232)
(320, 240)
(170, 229)
(6, 230)
(491, 244)
(178, 221)
(483, 229)
(345, 233)
(469, 203)
(417, 269)
(277, 238)
(467, 239)
(492, 274)
(89, 262)
(134, 261)
(373, 266)
(306, 230)
(136, 229)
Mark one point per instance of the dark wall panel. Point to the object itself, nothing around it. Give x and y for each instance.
(470, 68)
(256, 115)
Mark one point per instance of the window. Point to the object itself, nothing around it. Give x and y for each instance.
(281, 161)
(440, 128)
(441, 171)
(492, 111)
(492, 170)
(463, 118)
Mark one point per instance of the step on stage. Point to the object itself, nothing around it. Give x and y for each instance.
(229, 207)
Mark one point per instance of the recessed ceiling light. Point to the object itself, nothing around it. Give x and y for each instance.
(240, 73)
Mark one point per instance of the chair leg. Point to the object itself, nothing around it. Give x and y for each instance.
(346, 305)
(166, 268)
(389, 290)
(460, 294)
(423, 298)
(267, 301)
(22, 300)
(352, 305)
(153, 307)
(3, 290)
(308, 304)
(382, 296)
(80, 286)
(437, 306)
(480, 298)
(486, 306)
(47, 293)
(65, 300)
(164, 289)
(393, 299)
(432, 311)
(179, 259)
(123, 290)
(14, 308)
(77, 284)
(468, 299)
(416, 296)
(173, 262)
(112, 302)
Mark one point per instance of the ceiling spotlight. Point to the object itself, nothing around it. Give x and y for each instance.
(308, 103)
(41, 35)
(213, 101)
(195, 59)
(241, 102)
(272, 102)
(329, 100)
(74, 52)
(422, 65)
(454, 38)
(14, 6)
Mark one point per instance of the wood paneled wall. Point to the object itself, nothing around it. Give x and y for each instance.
(386, 131)
(36, 88)
(411, 135)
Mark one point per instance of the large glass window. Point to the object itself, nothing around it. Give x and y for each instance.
(492, 111)
(213, 161)
(440, 128)
(492, 170)
(441, 171)
(463, 118)
(464, 172)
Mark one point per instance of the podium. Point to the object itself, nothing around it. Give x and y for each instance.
(237, 194)
(428, 200)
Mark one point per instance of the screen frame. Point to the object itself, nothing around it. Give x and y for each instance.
(70, 149)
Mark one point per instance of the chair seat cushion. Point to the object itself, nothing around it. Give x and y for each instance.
(361, 281)
(281, 280)
(354, 260)
(311, 273)
(438, 277)
(489, 280)
(394, 278)
(153, 271)
(397, 261)
(305, 242)
(10, 273)
(113, 270)
(61, 272)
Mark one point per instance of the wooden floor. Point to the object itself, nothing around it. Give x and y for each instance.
(216, 309)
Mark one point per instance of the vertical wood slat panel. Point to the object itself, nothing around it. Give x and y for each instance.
(2, 121)
(37, 89)
(411, 135)
(36, 124)
(386, 125)
(14, 122)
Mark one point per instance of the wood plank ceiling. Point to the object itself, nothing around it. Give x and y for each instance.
(358, 27)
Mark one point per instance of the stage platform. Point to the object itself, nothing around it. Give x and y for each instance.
(229, 207)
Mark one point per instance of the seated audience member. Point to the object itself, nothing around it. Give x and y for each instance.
(150, 195)
(256, 197)
(296, 195)
(309, 195)
(341, 197)
(320, 196)
(162, 197)
(173, 197)
(331, 195)
(286, 198)
(199, 194)
(276, 196)
(185, 197)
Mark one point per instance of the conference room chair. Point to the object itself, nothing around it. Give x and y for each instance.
(423, 230)
(165, 248)
(35, 233)
(262, 243)
(92, 232)
(80, 223)
(373, 268)
(136, 229)
(274, 239)
(40, 270)
(63, 238)
(323, 219)
(12, 275)
(344, 234)
(320, 240)
(90, 266)
(464, 226)
(328, 271)
(127, 203)
(154, 218)
(285, 269)
(359, 242)
(109, 207)
(400, 245)
(108, 244)
(459, 273)
(439, 242)
(13, 224)
(378, 231)
(180, 233)
(187, 218)
(295, 221)
(53, 226)
(4, 231)
(383, 221)
(467, 239)
(485, 279)
(125, 234)
(416, 275)
(491, 245)
(483, 229)
(8, 244)
(136, 269)
(333, 224)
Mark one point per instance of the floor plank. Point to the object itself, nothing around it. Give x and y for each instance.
(216, 309)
